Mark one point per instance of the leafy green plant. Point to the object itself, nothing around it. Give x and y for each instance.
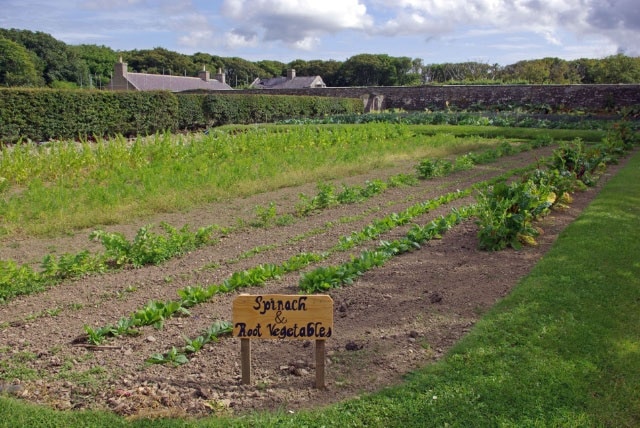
(193, 295)
(505, 213)
(72, 265)
(178, 357)
(194, 345)
(173, 356)
(373, 187)
(542, 140)
(265, 216)
(16, 280)
(560, 184)
(464, 162)
(97, 336)
(400, 180)
(151, 248)
(574, 158)
(155, 313)
(429, 168)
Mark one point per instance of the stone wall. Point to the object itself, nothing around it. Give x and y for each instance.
(588, 97)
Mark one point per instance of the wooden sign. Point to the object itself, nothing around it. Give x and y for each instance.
(281, 317)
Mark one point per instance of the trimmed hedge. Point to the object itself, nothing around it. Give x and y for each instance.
(45, 114)
(245, 108)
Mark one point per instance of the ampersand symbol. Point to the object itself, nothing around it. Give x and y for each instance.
(279, 319)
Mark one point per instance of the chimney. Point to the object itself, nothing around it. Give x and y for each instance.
(120, 68)
(220, 76)
(204, 74)
(291, 74)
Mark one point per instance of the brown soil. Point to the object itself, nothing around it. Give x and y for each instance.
(392, 320)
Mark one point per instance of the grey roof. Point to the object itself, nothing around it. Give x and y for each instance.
(154, 82)
(282, 82)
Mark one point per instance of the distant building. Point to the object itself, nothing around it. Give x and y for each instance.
(291, 81)
(123, 80)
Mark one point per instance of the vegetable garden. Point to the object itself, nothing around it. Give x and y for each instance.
(119, 259)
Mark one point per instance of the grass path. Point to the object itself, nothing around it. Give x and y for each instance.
(563, 349)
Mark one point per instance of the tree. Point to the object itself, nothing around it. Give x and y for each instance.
(584, 69)
(99, 61)
(160, 61)
(404, 72)
(240, 72)
(17, 65)
(531, 71)
(55, 59)
(271, 68)
(618, 69)
(367, 70)
(204, 60)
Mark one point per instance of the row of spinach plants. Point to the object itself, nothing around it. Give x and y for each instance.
(149, 247)
(346, 273)
(155, 312)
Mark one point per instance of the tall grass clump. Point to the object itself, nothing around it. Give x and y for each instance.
(57, 187)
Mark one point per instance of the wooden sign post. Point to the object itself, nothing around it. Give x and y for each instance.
(281, 317)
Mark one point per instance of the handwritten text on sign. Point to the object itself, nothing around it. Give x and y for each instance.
(280, 316)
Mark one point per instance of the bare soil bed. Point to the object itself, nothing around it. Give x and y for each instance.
(394, 319)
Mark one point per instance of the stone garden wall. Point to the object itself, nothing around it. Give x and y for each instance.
(558, 97)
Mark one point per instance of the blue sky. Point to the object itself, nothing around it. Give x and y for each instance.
(437, 31)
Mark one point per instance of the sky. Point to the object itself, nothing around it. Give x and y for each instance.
(436, 31)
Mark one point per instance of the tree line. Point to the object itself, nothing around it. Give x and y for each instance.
(37, 59)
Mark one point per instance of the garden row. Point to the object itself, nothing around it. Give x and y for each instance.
(148, 247)
(512, 118)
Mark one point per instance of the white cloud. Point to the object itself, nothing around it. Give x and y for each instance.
(297, 23)
(616, 20)
(307, 44)
(240, 39)
(447, 15)
(195, 39)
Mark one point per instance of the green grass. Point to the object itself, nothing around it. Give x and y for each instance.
(594, 136)
(53, 189)
(563, 349)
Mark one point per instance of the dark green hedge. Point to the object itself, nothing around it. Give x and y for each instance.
(249, 108)
(45, 114)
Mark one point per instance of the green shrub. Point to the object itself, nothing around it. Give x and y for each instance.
(428, 168)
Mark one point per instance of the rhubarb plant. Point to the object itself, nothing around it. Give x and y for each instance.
(506, 212)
